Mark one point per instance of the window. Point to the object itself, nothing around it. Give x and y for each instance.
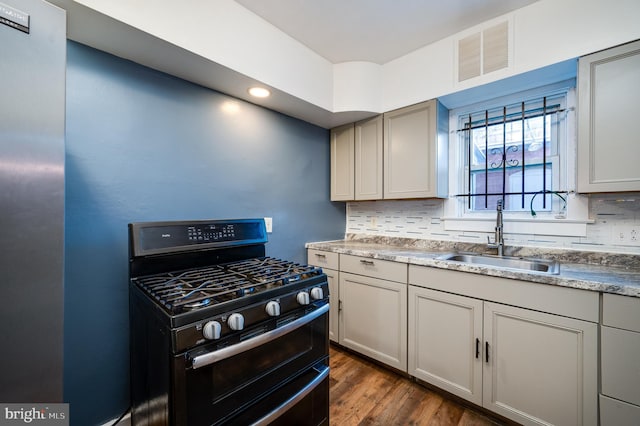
(529, 161)
(512, 152)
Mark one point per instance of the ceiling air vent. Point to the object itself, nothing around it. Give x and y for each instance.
(469, 57)
(483, 52)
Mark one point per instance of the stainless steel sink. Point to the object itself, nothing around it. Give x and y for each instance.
(535, 265)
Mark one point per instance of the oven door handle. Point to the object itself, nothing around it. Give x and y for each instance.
(279, 411)
(224, 353)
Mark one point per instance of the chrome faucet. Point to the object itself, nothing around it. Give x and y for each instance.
(498, 239)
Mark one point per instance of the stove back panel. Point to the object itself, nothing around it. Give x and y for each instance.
(151, 238)
(156, 247)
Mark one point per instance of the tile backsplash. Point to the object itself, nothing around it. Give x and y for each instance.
(616, 226)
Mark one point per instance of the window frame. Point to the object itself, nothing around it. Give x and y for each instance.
(567, 219)
(556, 145)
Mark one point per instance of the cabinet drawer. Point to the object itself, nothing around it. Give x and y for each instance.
(621, 311)
(382, 269)
(323, 259)
(618, 413)
(620, 372)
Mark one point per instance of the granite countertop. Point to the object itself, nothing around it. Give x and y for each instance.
(605, 272)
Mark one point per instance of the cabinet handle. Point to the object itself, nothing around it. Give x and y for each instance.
(477, 348)
(367, 262)
(339, 305)
(486, 351)
(321, 255)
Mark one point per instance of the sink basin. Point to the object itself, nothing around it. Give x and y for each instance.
(530, 265)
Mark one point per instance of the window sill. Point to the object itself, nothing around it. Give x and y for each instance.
(533, 226)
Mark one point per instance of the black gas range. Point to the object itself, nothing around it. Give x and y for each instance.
(221, 333)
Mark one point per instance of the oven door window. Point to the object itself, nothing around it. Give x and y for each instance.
(216, 392)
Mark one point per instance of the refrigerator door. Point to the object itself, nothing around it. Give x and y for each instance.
(32, 120)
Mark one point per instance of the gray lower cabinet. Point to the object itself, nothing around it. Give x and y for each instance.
(526, 351)
(608, 93)
(445, 341)
(373, 296)
(530, 366)
(368, 300)
(374, 318)
(334, 302)
(539, 368)
(620, 358)
(329, 262)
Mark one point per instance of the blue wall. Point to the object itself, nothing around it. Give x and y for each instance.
(141, 146)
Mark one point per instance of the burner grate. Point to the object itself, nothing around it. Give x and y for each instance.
(196, 288)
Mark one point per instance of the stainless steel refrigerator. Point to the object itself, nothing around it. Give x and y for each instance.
(32, 120)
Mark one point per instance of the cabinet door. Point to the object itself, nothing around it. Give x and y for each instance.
(334, 301)
(342, 163)
(620, 358)
(414, 161)
(374, 318)
(541, 369)
(328, 261)
(609, 89)
(445, 339)
(368, 154)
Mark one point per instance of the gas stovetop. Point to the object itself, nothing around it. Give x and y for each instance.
(192, 289)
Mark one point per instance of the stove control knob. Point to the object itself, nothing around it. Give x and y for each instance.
(272, 308)
(212, 330)
(317, 293)
(303, 298)
(235, 322)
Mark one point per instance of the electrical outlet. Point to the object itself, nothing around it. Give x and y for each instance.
(268, 223)
(626, 235)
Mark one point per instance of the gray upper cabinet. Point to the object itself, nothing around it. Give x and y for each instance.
(400, 154)
(608, 102)
(416, 151)
(356, 161)
(342, 163)
(368, 147)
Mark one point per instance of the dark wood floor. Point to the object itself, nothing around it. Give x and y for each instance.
(363, 393)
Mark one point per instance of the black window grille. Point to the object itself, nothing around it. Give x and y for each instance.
(508, 152)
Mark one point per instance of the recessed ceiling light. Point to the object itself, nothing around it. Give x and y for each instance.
(259, 92)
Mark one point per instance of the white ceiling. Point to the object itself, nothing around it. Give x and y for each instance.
(302, 83)
(375, 30)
